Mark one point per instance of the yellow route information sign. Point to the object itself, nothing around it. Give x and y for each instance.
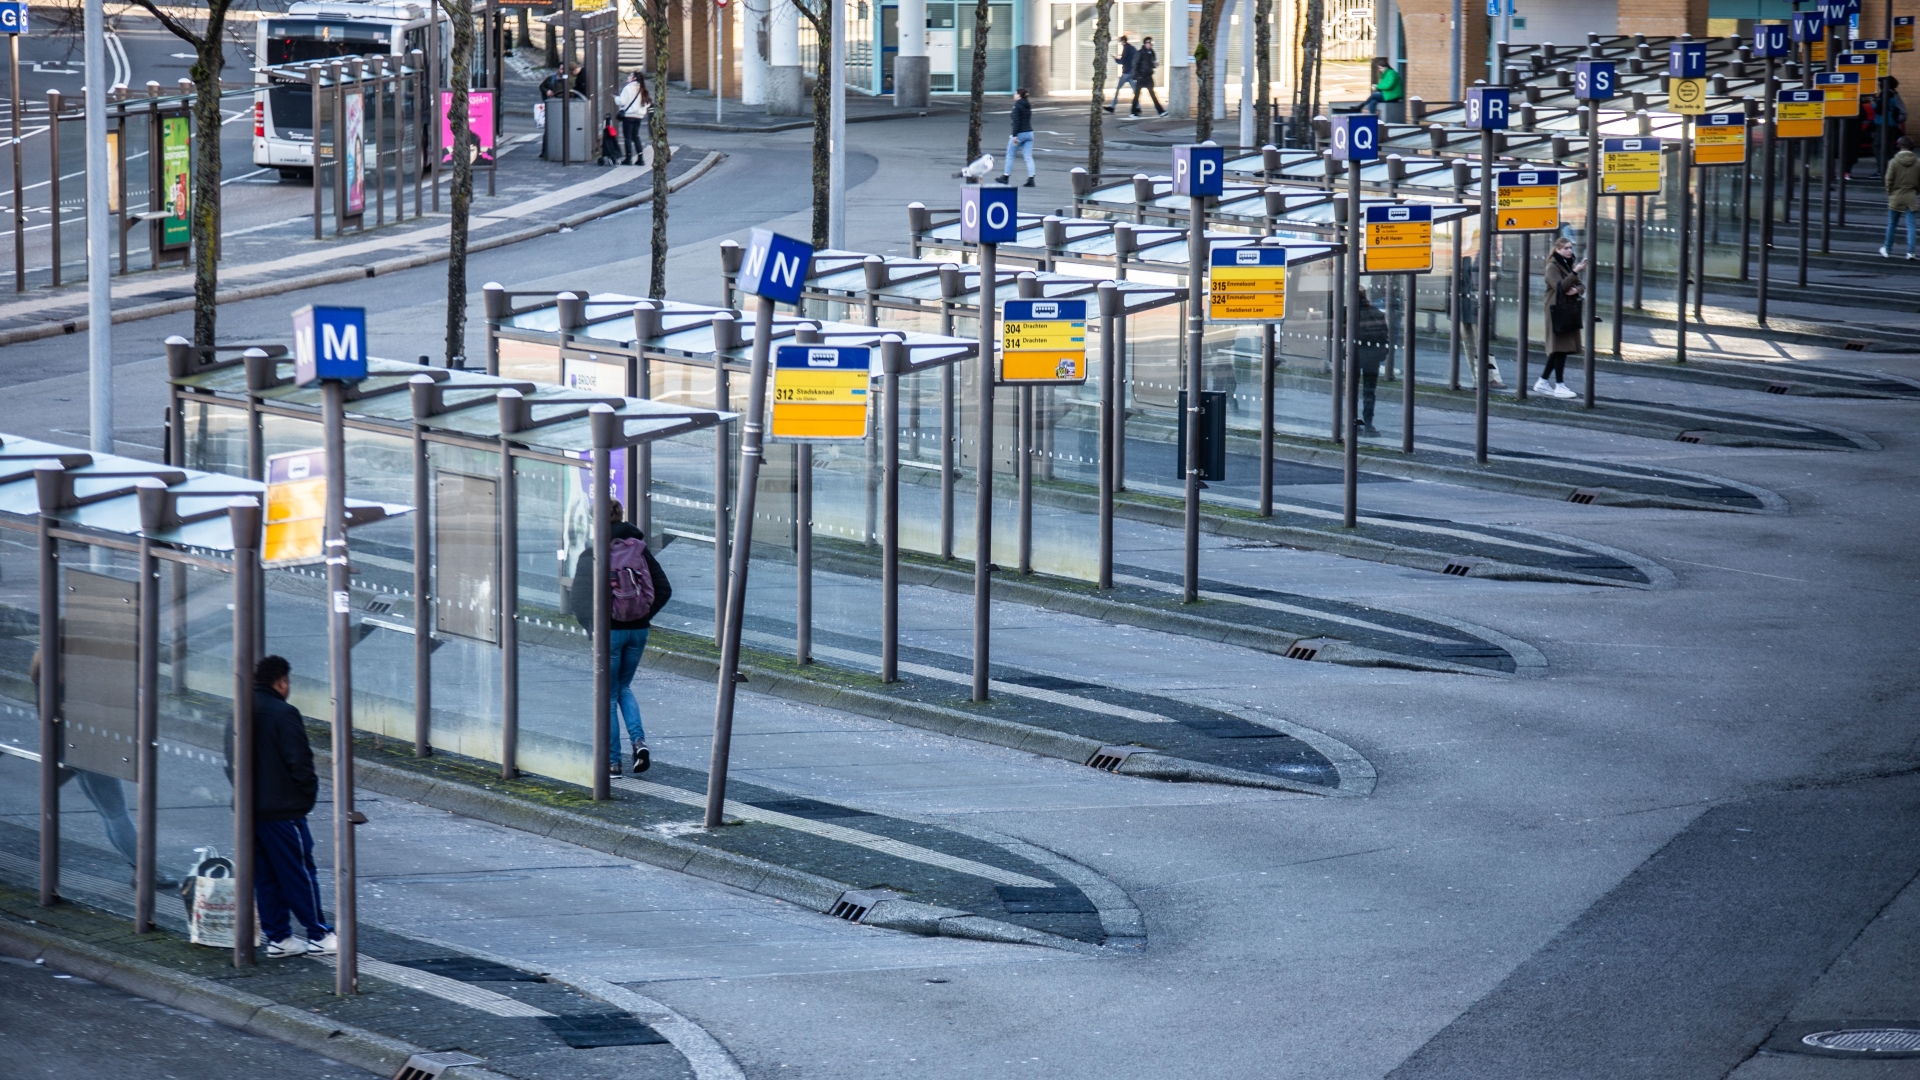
(1800, 114)
(1629, 166)
(1247, 284)
(1687, 96)
(1527, 201)
(1399, 240)
(1720, 139)
(296, 508)
(820, 392)
(1043, 341)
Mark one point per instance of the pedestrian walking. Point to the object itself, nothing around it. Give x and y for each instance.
(1369, 352)
(632, 105)
(1145, 63)
(1128, 54)
(639, 590)
(1903, 194)
(286, 884)
(1021, 140)
(1565, 310)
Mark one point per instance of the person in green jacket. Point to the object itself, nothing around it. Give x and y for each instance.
(1387, 85)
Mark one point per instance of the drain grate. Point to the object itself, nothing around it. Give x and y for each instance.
(1693, 436)
(1867, 1041)
(1780, 388)
(378, 607)
(1109, 758)
(854, 904)
(1858, 345)
(429, 1066)
(1460, 567)
(1305, 649)
(1583, 496)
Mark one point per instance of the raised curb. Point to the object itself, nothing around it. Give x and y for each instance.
(354, 1046)
(358, 272)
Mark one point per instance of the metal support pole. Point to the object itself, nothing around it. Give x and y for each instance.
(751, 423)
(948, 407)
(423, 603)
(1806, 207)
(243, 517)
(1683, 266)
(1454, 295)
(509, 602)
(1619, 285)
(722, 470)
(1023, 472)
(1337, 343)
(604, 427)
(53, 180)
(1700, 242)
(337, 74)
(1523, 288)
(803, 552)
(893, 357)
(1827, 140)
(983, 477)
(1639, 246)
(50, 734)
(1746, 208)
(1483, 356)
(340, 670)
(19, 174)
(1406, 367)
(1591, 314)
(1196, 337)
(1109, 295)
(152, 494)
(836, 128)
(1350, 386)
(1269, 363)
(1766, 194)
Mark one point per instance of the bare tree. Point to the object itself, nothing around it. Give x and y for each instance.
(980, 20)
(1263, 70)
(1306, 88)
(654, 14)
(1203, 69)
(203, 216)
(820, 14)
(1096, 126)
(460, 78)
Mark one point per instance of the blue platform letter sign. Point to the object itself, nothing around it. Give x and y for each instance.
(13, 17)
(1593, 80)
(989, 215)
(1687, 60)
(1356, 137)
(1772, 40)
(775, 266)
(1487, 108)
(1808, 26)
(1199, 170)
(1835, 12)
(329, 343)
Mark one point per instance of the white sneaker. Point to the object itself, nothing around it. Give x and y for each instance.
(1494, 379)
(326, 946)
(1884, 255)
(1542, 386)
(1563, 391)
(292, 946)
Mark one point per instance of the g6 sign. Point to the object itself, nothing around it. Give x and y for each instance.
(1593, 80)
(1487, 108)
(1356, 138)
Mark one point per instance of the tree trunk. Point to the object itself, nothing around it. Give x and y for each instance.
(1306, 89)
(654, 12)
(1096, 124)
(1203, 70)
(460, 78)
(822, 124)
(203, 223)
(974, 104)
(1263, 71)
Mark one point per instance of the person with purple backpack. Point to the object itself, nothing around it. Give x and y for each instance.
(639, 590)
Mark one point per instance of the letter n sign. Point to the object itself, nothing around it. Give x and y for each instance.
(1356, 137)
(329, 343)
(989, 215)
(775, 266)
(1487, 108)
(1593, 80)
(1199, 170)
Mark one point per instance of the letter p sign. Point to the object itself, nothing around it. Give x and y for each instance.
(775, 266)
(329, 343)
(1199, 170)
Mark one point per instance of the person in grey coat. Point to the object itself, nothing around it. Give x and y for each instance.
(1563, 299)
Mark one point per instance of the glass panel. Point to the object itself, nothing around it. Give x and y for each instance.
(19, 706)
(466, 656)
(531, 360)
(195, 797)
(556, 668)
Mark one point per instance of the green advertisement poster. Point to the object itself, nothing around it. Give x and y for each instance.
(175, 166)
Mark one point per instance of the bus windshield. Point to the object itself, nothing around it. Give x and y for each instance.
(297, 41)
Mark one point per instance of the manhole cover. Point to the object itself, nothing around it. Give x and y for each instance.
(1867, 1041)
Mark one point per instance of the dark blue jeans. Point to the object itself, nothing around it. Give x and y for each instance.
(286, 884)
(623, 660)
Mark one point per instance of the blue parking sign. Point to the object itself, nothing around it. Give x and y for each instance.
(1199, 170)
(1356, 137)
(1593, 80)
(775, 266)
(329, 343)
(1487, 108)
(989, 215)
(13, 18)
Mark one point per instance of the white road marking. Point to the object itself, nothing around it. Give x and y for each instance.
(473, 997)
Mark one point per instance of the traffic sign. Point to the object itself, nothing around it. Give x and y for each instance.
(1843, 92)
(1800, 114)
(1487, 108)
(1593, 80)
(1903, 33)
(296, 508)
(1356, 137)
(989, 215)
(775, 266)
(1687, 96)
(1399, 240)
(1772, 39)
(1720, 139)
(329, 343)
(1199, 170)
(1527, 201)
(1043, 341)
(820, 391)
(1629, 166)
(1687, 60)
(13, 18)
(1247, 284)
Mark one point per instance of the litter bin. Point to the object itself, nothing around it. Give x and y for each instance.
(579, 125)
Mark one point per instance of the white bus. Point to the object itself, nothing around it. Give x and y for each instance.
(322, 30)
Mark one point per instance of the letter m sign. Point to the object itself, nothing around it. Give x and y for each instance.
(329, 343)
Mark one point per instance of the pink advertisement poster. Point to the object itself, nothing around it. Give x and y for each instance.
(480, 121)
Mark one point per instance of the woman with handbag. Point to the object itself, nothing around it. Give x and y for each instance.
(1563, 297)
(633, 105)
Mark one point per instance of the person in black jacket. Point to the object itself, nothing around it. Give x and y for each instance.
(286, 884)
(1145, 63)
(1369, 352)
(1126, 58)
(625, 643)
(1022, 137)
